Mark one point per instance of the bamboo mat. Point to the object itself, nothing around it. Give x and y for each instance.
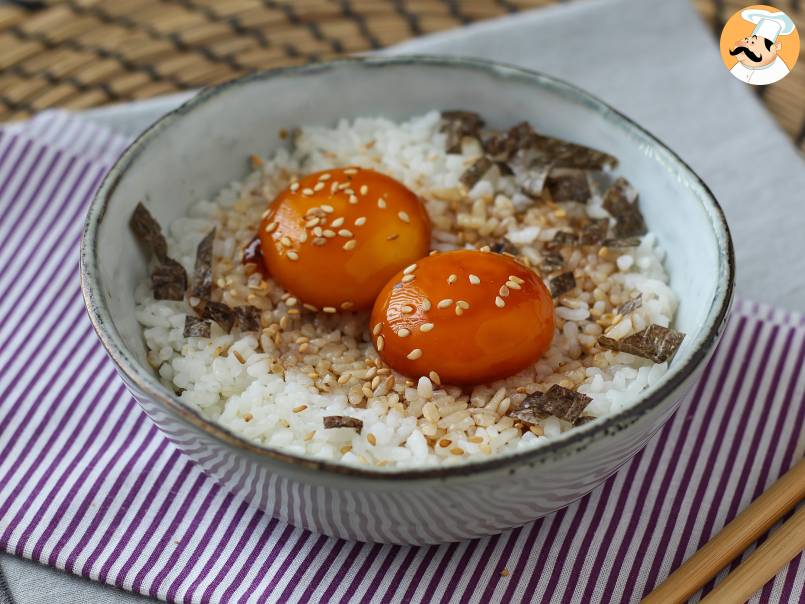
(84, 53)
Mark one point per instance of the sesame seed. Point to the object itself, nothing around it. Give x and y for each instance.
(380, 343)
(353, 200)
(325, 176)
(328, 233)
(349, 191)
(294, 187)
(351, 171)
(360, 221)
(266, 213)
(317, 231)
(513, 285)
(270, 227)
(292, 256)
(392, 237)
(347, 305)
(319, 186)
(327, 208)
(503, 291)
(310, 307)
(319, 241)
(307, 191)
(485, 248)
(474, 280)
(434, 377)
(376, 329)
(499, 302)
(409, 269)
(425, 304)
(337, 222)
(403, 332)
(415, 354)
(345, 233)
(459, 311)
(329, 309)
(516, 279)
(452, 279)
(350, 245)
(457, 451)
(291, 301)
(408, 278)
(364, 189)
(406, 310)
(446, 303)
(371, 438)
(381, 203)
(299, 409)
(286, 241)
(463, 304)
(311, 223)
(404, 217)
(426, 327)
(343, 186)
(334, 187)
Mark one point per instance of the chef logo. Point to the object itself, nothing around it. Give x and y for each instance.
(759, 45)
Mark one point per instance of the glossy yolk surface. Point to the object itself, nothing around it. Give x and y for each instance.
(334, 238)
(469, 316)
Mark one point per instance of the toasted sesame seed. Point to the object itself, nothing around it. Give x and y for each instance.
(459, 311)
(299, 408)
(404, 217)
(337, 222)
(381, 203)
(457, 451)
(452, 279)
(499, 302)
(303, 237)
(350, 245)
(446, 303)
(463, 304)
(376, 329)
(286, 241)
(513, 285)
(371, 438)
(270, 227)
(292, 256)
(347, 305)
(310, 307)
(294, 187)
(319, 241)
(503, 291)
(311, 223)
(291, 301)
(307, 191)
(485, 248)
(325, 176)
(327, 208)
(403, 332)
(353, 200)
(380, 343)
(343, 186)
(392, 237)
(409, 269)
(408, 278)
(319, 186)
(349, 191)
(516, 279)
(345, 233)
(328, 233)
(434, 377)
(351, 171)
(426, 327)
(266, 213)
(329, 309)
(406, 310)
(364, 189)
(317, 231)
(474, 280)
(333, 187)
(360, 221)
(415, 354)
(425, 304)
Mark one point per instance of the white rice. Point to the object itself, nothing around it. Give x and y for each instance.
(274, 388)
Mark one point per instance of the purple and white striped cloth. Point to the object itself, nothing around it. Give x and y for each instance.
(87, 483)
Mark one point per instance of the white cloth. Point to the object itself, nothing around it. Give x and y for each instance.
(760, 76)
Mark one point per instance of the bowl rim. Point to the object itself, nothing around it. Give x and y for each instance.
(567, 443)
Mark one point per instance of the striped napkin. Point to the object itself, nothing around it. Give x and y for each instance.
(88, 484)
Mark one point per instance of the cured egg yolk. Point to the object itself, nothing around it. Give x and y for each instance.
(334, 238)
(463, 317)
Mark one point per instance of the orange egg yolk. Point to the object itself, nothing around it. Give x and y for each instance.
(334, 238)
(463, 317)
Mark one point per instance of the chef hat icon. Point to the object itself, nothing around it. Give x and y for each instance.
(768, 25)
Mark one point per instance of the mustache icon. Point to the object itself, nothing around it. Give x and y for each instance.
(743, 49)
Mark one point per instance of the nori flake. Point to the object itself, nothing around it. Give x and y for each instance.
(584, 419)
(475, 172)
(195, 327)
(457, 124)
(220, 313)
(558, 401)
(532, 181)
(551, 262)
(169, 280)
(620, 201)
(569, 187)
(561, 284)
(148, 231)
(562, 238)
(342, 421)
(631, 305)
(655, 343)
(594, 232)
(565, 154)
(202, 275)
(621, 243)
(247, 317)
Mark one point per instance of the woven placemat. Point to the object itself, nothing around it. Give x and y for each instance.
(84, 53)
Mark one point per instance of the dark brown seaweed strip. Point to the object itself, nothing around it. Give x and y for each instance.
(569, 187)
(342, 421)
(551, 262)
(220, 313)
(195, 327)
(475, 172)
(631, 305)
(147, 229)
(561, 284)
(564, 154)
(247, 317)
(655, 343)
(584, 419)
(594, 232)
(169, 280)
(621, 202)
(532, 181)
(504, 246)
(562, 238)
(558, 401)
(457, 124)
(202, 274)
(621, 243)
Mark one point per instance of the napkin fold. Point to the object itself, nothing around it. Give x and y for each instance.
(88, 484)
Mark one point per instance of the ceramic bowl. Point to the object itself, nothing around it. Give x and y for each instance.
(197, 149)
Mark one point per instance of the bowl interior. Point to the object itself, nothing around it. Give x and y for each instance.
(203, 146)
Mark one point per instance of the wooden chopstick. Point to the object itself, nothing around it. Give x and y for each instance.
(734, 538)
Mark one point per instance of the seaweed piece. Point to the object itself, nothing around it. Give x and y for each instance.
(621, 243)
(148, 230)
(594, 232)
(565, 154)
(561, 284)
(527, 415)
(342, 421)
(457, 124)
(220, 313)
(195, 327)
(247, 317)
(169, 280)
(475, 172)
(584, 419)
(562, 238)
(569, 187)
(532, 181)
(202, 274)
(620, 201)
(655, 343)
(504, 247)
(504, 168)
(558, 401)
(631, 305)
(551, 262)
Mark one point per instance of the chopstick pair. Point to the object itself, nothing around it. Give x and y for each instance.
(783, 545)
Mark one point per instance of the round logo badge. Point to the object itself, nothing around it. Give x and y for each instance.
(759, 45)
